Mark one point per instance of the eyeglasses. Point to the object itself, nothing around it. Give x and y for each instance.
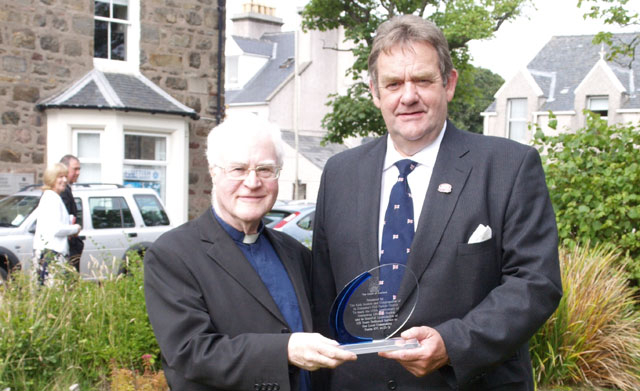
(241, 172)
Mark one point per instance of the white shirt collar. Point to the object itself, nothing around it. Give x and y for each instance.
(426, 156)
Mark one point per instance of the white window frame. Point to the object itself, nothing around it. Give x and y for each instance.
(140, 162)
(513, 120)
(231, 71)
(131, 64)
(596, 100)
(84, 160)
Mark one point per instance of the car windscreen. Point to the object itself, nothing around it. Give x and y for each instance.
(14, 209)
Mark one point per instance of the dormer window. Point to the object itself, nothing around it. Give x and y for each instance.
(599, 105)
(111, 28)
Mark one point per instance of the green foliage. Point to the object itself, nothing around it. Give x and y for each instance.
(594, 335)
(480, 85)
(614, 12)
(593, 176)
(72, 331)
(461, 22)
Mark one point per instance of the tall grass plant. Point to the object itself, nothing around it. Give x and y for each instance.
(72, 331)
(594, 336)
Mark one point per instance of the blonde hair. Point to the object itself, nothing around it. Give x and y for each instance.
(51, 174)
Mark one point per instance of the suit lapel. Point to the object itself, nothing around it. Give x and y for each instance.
(293, 265)
(369, 182)
(450, 168)
(225, 253)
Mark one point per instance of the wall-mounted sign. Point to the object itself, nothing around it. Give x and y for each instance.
(13, 182)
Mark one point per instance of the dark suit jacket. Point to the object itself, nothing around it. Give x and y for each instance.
(76, 245)
(215, 321)
(485, 299)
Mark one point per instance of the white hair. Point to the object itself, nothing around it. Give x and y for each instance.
(238, 129)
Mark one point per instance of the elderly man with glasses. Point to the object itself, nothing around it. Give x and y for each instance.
(228, 299)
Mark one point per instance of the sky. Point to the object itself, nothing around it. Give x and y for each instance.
(515, 43)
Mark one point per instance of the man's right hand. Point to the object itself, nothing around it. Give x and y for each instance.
(312, 351)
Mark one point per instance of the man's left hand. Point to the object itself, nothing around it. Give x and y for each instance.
(421, 361)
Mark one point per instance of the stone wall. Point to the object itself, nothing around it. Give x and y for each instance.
(46, 45)
(179, 52)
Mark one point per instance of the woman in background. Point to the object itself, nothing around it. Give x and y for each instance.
(54, 222)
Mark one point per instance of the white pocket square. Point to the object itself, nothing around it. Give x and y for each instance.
(482, 233)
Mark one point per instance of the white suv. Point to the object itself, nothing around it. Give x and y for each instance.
(114, 220)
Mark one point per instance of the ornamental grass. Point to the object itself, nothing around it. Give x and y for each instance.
(71, 333)
(593, 337)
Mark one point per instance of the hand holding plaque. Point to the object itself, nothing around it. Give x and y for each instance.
(373, 307)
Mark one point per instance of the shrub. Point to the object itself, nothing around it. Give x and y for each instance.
(71, 331)
(593, 176)
(594, 335)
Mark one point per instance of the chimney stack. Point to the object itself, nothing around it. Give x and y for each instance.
(255, 20)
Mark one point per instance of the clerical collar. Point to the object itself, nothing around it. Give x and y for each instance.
(236, 235)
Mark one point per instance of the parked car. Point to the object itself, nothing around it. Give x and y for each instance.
(114, 220)
(294, 219)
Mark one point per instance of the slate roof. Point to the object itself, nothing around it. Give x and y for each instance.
(564, 62)
(272, 75)
(254, 46)
(115, 91)
(310, 148)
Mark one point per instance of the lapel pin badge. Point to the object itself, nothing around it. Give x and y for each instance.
(444, 188)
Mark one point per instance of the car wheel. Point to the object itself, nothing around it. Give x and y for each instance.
(8, 262)
(139, 249)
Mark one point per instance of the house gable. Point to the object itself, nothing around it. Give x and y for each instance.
(522, 85)
(569, 70)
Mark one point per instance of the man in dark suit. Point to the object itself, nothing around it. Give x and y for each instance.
(76, 245)
(483, 244)
(227, 297)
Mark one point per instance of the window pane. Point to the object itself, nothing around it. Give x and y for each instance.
(517, 131)
(306, 223)
(599, 103)
(89, 155)
(78, 202)
(100, 48)
(118, 41)
(110, 212)
(145, 147)
(127, 217)
(151, 210)
(120, 11)
(89, 145)
(102, 8)
(518, 108)
(231, 69)
(148, 177)
(13, 210)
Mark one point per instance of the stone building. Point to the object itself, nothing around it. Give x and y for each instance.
(130, 86)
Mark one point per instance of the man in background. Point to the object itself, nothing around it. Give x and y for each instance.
(76, 245)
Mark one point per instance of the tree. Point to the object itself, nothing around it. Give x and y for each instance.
(461, 21)
(593, 176)
(465, 113)
(615, 12)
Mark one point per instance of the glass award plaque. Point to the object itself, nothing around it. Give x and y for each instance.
(374, 306)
